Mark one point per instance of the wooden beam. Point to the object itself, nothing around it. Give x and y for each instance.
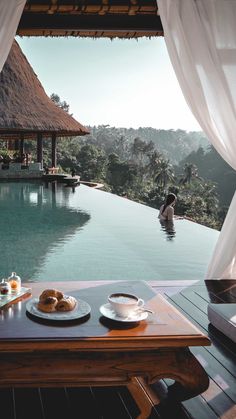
(21, 144)
(17, 145)
(54, 150)
(40, 148)
(88, 23)
(91, 6)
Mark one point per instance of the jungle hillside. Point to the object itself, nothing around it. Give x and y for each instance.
(145, 164)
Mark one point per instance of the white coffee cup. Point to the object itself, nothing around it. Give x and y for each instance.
(125, 304)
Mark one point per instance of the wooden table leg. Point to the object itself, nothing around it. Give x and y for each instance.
(145, 398)
(182, 366)
(190, 377)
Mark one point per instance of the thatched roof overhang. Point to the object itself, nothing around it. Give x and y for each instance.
(91, 18)
(25, 107)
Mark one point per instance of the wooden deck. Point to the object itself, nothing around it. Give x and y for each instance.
(219, 360)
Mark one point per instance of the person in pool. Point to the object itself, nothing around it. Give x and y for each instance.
(167, 209)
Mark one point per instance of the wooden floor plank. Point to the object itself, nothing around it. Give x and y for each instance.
(7, 404)
(28, 403)
(224, 353)
(200, 319)
(82, 400)
(196, 316)
(224, 379)
(198, 408)
(222, 405)
(166, 409)
(129, 402)
(196, 299)
(110, 403)
(55, 403)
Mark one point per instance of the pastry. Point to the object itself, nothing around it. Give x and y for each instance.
(51, 293)
(48, 304)
(67, 303)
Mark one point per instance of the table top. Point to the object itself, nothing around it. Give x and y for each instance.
(167, 327)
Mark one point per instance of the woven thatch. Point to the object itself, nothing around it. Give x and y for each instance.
(24, 105)
(91, 18)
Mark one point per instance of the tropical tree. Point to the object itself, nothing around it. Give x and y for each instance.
(92, 163)
(210, 196)
(120, 174)
(190, 173)
(121, 146)
(164, 174)
(137, 150)
(62, 104)
(152, 166)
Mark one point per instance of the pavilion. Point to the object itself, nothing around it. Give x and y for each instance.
(26, 112)
(91, 18)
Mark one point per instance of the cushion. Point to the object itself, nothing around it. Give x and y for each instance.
(223, 317)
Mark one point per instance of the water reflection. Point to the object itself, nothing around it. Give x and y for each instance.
(34, 220)
(169, 228)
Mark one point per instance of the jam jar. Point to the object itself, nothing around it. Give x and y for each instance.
(5, 287)
(15, 282)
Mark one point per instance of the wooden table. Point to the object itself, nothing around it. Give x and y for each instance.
(98, 351)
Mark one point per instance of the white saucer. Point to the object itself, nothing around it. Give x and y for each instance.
(107, 311)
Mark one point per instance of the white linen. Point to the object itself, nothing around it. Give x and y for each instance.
(10, 14)
(200, 36)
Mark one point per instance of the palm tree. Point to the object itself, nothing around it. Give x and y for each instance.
(210, 197)
(164, 174)
(154, 162)
(190, 172)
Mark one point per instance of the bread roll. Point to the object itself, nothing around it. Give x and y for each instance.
(48, 305)
(51, 293)
(67, 303)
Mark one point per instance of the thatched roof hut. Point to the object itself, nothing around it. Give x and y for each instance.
(26, 112)
(25, 107)
(91, 18)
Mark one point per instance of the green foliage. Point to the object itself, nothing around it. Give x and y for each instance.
(120, 174)
(138, 164)
(91, 163)
(62, 104)
(212, 167)
(4, 152)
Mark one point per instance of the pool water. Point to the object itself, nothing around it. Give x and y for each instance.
(50, 232)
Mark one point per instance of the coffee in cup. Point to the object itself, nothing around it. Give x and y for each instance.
(125, 304)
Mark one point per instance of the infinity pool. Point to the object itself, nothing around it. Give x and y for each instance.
(52, 233)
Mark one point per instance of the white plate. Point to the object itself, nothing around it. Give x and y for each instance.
(136, 316)
(81, 309)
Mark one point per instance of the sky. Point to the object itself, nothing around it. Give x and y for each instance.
(121, 83)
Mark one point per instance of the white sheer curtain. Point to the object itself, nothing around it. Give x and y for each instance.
(200, 36)
(10, 14)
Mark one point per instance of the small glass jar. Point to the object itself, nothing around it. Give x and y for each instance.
(15, 283)
(5, 287)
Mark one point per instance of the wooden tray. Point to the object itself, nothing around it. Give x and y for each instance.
(6, 300)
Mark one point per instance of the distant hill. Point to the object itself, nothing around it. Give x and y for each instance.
(175, 145)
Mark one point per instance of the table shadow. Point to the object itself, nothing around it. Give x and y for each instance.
(115, 324)
(58, 323)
